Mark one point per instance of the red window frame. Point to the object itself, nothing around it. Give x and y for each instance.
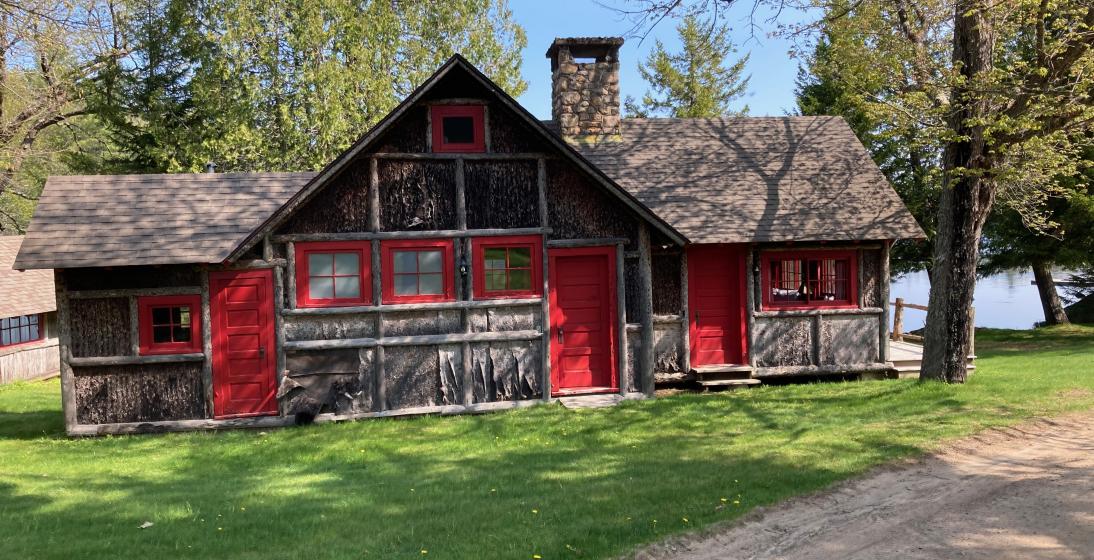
(769, 258)
(387, 266)
(476, 112)
(146, 304)
(478, 250)
(39, 320)
(303, 274)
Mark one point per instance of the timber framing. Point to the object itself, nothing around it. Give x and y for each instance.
(366, 141)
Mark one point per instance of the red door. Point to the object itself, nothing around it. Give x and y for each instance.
(241, 309)
(582, 300)
(715, 308)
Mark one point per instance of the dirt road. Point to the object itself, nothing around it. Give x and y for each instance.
(1024, 492)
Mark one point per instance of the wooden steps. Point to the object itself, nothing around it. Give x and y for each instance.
(729, 382)
(725, 376)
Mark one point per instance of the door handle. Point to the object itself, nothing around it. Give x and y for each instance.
(696, 318)
(261, 351)
(560, 335)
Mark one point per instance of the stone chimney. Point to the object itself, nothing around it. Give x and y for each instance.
(585, 88)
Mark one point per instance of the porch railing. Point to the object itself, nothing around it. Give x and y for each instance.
(898, 334)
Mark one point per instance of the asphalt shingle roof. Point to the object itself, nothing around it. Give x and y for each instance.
(732, 180)
(120, 220)
(756, 179)
(23, 292)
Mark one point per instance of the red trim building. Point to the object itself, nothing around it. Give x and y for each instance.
(463, 255)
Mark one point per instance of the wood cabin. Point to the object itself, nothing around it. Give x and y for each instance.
(463, 256)
(28, 319)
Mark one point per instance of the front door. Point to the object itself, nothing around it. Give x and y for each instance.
(716, 314)
(241, 309)
(583, 310)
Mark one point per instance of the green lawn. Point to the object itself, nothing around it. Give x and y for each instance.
(543, 481)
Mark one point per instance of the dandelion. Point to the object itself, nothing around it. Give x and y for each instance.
(724, 500)
(685, 519)
(424, 552)
(736, 502)
(535, 512)
(536, 556)
(220, 528)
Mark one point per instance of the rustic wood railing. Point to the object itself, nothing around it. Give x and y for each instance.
(898, 334)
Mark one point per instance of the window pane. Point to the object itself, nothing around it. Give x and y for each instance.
(494, 258)
(34, 335)
(320, 264)
(430, 284)
(33, 319)
(24, 320)
(406, 284)
(430, 261)
(161, 315)
(494, 280)
(161, 334)
(320, 288)
(5, 337)
(520, 280)
(184, 315)
(458, 130)
(405, 262)
(347, 286)
(182, 334)
(3, 323)
(520, 257)
(347, 264)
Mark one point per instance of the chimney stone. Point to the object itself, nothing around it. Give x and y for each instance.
(585, 88)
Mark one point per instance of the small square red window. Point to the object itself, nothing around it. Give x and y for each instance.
(333, 274)
(507, 267)
(169, 324)
(809, 280)
(458, 128)
(417, 271)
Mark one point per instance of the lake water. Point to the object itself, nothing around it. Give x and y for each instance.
(1007, 300)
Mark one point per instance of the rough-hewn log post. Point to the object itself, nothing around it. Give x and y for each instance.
(64, 345)
(685, 315)
(134, 327)
(545, 306)
(279, 322)
(374, 197)
(207, 343)
(645, 305)
(883, 283)
(379, 390)
(290, 274)
(898, 320)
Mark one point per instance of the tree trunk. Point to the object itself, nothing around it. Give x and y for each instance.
(967, 195)
(1050, 300)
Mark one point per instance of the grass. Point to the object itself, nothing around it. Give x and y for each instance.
(543, 481)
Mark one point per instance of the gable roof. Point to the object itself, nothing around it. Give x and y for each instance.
(456, 61)
(121, 220)
(23, 292)
(756, 179)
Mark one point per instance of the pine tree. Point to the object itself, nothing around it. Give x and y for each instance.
(696, 82)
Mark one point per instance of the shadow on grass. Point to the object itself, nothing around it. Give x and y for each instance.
(546, 481)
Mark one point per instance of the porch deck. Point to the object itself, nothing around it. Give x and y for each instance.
(907, 358)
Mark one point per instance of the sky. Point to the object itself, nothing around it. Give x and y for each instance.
(771, 89)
